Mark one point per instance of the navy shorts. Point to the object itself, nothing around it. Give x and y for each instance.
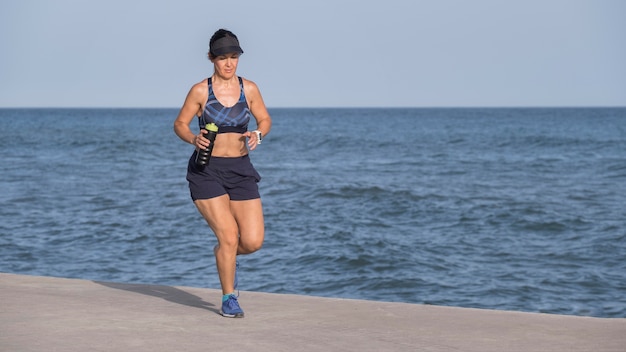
(233, 176)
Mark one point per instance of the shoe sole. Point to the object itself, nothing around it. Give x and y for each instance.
(238, 315)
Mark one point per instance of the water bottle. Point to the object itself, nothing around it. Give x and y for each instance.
(203, 156)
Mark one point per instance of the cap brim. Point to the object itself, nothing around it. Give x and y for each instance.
(227, 50)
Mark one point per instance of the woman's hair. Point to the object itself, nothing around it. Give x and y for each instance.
(219, 34)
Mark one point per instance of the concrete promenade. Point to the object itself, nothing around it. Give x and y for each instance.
(54, 314)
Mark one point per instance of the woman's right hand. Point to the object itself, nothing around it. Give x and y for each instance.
(200, 142)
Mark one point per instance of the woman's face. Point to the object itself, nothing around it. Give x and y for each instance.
(226, 65)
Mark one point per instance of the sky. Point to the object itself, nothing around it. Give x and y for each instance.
(322, 53)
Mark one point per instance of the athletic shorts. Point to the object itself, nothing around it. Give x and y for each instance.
(233, 176)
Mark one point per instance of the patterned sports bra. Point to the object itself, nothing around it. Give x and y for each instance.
(228, 119)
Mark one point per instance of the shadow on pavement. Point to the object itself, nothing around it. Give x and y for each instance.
(167, 293)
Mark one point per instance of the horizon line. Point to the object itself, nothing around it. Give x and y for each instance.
(345, 107)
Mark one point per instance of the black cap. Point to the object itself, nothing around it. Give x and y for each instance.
(225, 45)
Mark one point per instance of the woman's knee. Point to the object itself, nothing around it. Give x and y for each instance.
(228, 239)
(250, 245)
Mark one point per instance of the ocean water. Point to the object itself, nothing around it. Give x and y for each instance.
(514, 208)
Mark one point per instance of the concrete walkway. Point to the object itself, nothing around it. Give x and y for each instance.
(53, 314)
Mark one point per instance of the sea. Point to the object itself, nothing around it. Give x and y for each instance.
(518, 209)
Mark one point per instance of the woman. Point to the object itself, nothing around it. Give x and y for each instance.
(225, 190)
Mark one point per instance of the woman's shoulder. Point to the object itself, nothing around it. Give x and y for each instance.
(202, 84)
(200, 87)
(248, 85)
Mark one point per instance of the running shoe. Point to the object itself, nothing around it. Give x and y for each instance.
(231, 309)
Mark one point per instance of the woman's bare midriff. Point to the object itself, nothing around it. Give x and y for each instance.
(230, 145)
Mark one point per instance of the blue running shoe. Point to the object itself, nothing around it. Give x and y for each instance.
(231, 309)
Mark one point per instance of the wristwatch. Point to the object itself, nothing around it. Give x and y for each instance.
(259, 136)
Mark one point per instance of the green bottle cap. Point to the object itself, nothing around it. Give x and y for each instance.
(211, 127)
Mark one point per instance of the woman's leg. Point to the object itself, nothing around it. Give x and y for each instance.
(217, 213)
(249, 216)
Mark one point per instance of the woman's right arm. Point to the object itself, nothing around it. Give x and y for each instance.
(191, 107)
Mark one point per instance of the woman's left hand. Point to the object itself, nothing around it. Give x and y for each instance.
(253, 139)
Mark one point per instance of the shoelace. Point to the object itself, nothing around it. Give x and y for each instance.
(232, 302)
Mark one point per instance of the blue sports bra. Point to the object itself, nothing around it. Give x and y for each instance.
(228, 119)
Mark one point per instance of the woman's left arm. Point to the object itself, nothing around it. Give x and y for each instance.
(259, 111)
